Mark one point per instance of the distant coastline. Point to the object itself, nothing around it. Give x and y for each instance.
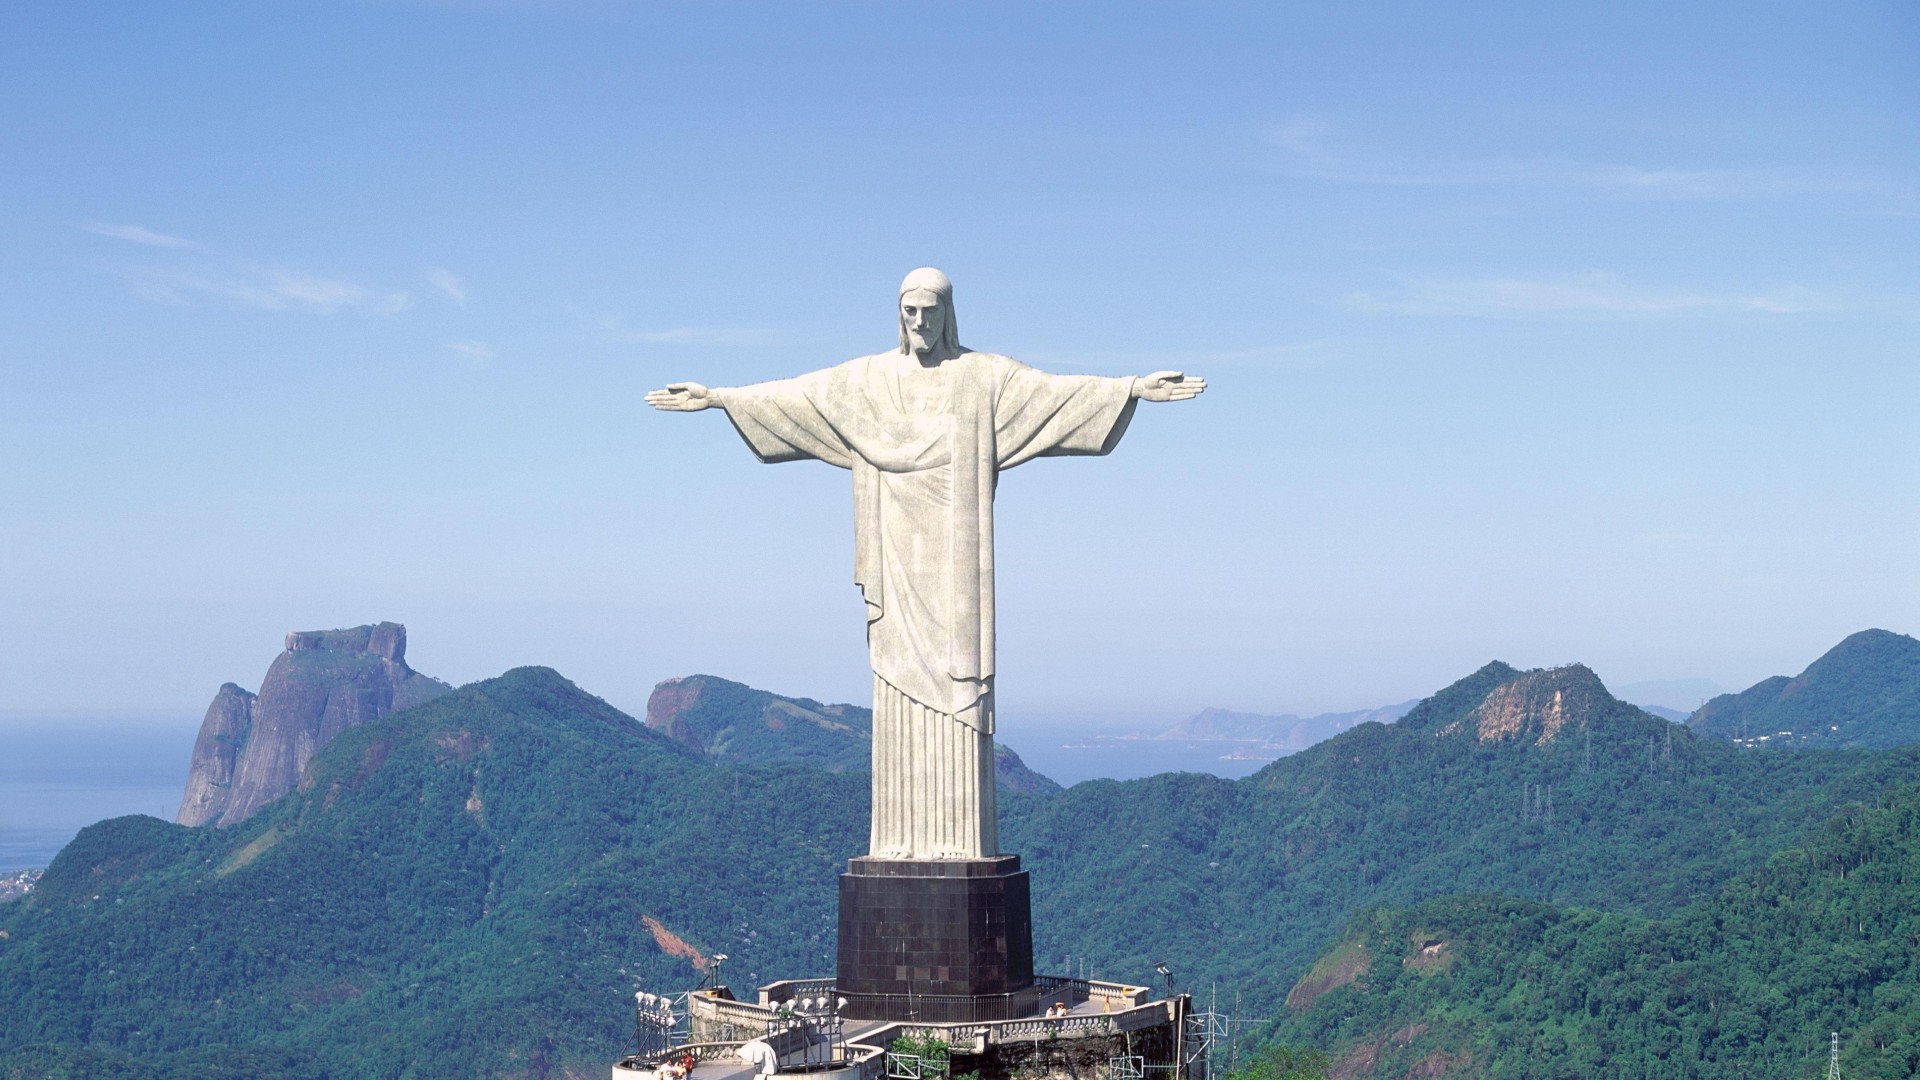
(62, 770)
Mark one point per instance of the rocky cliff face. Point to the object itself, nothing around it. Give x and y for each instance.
(252, 747)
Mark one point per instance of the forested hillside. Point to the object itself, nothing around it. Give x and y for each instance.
(734, 722)
(1745, 984)
(1533, 784)
(1864, 692)
(476, 886)
(458, 890)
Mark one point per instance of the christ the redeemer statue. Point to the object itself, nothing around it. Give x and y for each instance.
(926, 429)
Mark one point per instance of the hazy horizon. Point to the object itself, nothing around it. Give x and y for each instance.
(63, 769)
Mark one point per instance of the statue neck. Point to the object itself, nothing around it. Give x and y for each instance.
(932, 358)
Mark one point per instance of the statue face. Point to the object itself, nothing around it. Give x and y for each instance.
(925, 320)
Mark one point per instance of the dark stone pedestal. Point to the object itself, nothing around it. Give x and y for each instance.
(937, 940)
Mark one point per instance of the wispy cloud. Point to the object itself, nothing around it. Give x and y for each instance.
(138, 234)
(477, 351)
(266, 289)
(1310, 149)
(197, 274)
(448, 282)
(1593, 295)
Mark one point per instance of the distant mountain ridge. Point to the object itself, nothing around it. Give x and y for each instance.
(732, 721)
(452, 890)
(472, 886)
(1863, 692)
(1538, 784)
(252, 747)
(1285, 732)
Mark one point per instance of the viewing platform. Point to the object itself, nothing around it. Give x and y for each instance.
(1082, 1029)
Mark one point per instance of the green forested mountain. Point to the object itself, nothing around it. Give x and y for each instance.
(1745, 984)
(472, 887)
(735, 722)
(1864, 692)
(1534, 784)
(476, 885)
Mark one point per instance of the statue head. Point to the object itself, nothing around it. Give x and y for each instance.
(927, 324)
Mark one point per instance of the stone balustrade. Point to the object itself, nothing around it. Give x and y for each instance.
(723, 1023)
(786, 990)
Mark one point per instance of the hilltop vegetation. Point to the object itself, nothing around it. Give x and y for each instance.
(457, 890)
(1532, 784)
(1865, 692)
(1745, 984)
(734, 722)
(475, 886)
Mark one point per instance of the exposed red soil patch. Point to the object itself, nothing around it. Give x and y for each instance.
(673, 944)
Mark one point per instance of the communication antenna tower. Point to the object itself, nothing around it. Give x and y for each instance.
(1207, 1032)
(1833, 1059)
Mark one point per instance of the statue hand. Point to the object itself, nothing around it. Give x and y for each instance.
(1168, 386)
(682, 397)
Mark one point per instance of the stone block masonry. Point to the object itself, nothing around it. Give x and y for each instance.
(936, 940)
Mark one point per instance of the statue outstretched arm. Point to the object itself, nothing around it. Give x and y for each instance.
(686, 397)
(1162, 386)
(781, 420)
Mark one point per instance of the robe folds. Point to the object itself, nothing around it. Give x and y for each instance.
(926, 446)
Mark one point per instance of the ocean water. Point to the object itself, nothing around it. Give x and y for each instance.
(60, 772)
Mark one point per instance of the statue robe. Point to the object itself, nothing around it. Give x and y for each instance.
(926, 447)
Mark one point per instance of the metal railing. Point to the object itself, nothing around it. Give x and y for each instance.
(1034, 1029)
(1073, 991)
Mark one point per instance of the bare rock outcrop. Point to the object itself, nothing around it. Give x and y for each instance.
(251, 747)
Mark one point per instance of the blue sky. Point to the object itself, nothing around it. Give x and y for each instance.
(1533, 333)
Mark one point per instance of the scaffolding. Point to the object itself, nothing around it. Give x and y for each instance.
(659, 1023)
(1205, 1034)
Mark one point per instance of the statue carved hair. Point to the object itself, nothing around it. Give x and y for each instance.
(927, 279)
